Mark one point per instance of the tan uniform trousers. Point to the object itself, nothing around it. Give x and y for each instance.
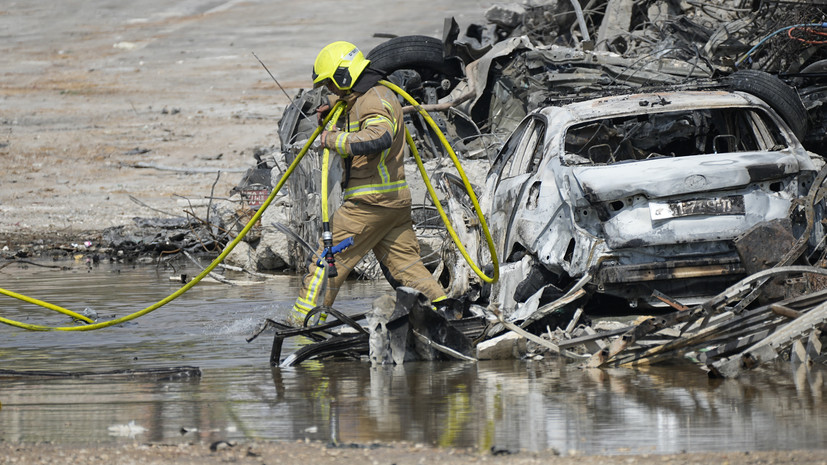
(389, 233)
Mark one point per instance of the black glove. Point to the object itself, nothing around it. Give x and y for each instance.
(321, 112)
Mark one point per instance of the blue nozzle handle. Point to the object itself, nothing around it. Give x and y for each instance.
(336, 248)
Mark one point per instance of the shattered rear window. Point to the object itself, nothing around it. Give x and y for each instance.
(672, 134)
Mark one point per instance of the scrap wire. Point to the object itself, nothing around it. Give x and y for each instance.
(212, 192)
(642, 63)
(276, 80)
(783, 29)
(135, 200)
(704, 5)
(536, 339)
(808, 31)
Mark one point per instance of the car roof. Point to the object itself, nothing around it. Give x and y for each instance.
(654, 102)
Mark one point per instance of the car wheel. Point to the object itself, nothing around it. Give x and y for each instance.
(408, 52)
(778, 95)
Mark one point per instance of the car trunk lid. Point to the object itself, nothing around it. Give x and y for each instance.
(669, 177)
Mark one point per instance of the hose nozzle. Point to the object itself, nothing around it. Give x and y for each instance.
(327, 239)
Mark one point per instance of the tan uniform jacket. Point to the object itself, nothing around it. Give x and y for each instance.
(372, 135)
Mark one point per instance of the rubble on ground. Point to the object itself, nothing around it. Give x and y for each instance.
(720, 336)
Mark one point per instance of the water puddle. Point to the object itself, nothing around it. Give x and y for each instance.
(517, 405)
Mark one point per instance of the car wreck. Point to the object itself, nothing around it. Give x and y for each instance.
(640, 204)
(659, 191)
(664, 162)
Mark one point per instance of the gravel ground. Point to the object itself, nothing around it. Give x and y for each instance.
(398, 454)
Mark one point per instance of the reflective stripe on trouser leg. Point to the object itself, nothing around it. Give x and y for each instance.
(315, 285)
(373, 228)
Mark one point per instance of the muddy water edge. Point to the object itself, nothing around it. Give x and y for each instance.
(516, 405)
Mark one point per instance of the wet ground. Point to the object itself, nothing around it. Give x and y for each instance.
(512, 405)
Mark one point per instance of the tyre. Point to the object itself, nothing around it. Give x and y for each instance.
(778, 95)
(408, 52)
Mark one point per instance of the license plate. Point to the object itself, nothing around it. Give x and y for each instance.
(730, 205)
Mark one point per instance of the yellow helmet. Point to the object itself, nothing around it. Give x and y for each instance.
(341, 62)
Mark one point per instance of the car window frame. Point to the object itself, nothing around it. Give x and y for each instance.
(757, 118)
(528, 139)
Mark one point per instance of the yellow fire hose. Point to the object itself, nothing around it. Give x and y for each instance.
(327, 235)
(185, 287)
(466, 183)
(336, 111)
(326, 164)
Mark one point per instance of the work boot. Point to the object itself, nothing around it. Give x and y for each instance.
(296, 317)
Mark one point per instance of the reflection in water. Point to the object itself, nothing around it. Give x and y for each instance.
(541, 405)
(518, 405)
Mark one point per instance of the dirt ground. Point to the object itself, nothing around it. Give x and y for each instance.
(111, 110)
(399, 454)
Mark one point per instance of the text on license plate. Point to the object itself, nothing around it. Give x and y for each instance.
(730, 205)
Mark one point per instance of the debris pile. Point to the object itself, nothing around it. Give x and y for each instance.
(552, 52)
(481, 80)
(481, 83)
(721, 336)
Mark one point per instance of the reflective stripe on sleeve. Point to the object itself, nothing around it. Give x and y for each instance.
(341, 143)
(381, 120)
(383, 167)
(375, 189)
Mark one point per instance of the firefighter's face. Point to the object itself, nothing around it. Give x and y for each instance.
(332, 87)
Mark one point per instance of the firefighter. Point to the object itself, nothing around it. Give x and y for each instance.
(376, 208)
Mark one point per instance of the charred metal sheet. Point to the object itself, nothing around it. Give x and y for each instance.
(615, 25)
(388, 325)
(508, 346)
(765, 244)
(763, 247)
(677, 269)
(430, 325)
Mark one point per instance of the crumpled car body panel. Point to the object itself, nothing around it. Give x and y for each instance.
(644, 215)
(644, 191)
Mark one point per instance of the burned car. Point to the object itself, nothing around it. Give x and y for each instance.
(675, 191)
